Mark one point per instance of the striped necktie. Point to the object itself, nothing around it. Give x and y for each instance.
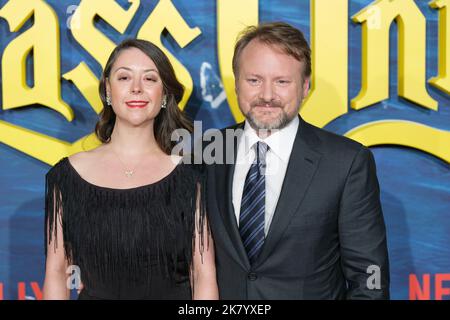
(251, 219)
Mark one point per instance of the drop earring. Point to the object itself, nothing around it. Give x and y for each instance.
(108, 99)
(164, 103)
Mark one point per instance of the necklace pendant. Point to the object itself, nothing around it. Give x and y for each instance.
(129, 173)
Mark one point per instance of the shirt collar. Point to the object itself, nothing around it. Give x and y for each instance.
(280, 142)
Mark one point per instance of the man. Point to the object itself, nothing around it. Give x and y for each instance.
(297, 214)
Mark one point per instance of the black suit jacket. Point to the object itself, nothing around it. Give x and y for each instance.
(327, 228)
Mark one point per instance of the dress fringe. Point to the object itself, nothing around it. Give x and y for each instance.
(128, 235)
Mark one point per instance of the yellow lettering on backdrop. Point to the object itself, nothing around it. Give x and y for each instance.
(404, 133)
(232, 17)
(376, 20)
(45, 47)
(95, 42)
(328, 97)
(46, 90)
(326, 102)
(40, 146)
(87, 83)
(166, 16)
(442, 81)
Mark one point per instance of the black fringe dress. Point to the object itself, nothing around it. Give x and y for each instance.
(128, 243)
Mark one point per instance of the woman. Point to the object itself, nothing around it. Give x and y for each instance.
(126, 214)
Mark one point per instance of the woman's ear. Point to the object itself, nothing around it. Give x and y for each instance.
(107, 86)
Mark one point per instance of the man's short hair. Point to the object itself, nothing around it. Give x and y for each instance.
(280, 34)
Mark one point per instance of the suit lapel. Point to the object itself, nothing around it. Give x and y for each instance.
(303, 163)
(224, 196)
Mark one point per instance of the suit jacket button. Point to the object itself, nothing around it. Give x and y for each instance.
(252, 276)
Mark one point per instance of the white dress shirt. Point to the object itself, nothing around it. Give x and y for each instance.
(280, 144)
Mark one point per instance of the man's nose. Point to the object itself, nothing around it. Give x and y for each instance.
(267, 91)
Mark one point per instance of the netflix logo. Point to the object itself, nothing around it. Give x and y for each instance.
(422, 288)
(25, 291)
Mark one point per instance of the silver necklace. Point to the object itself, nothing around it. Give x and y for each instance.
(128, 172)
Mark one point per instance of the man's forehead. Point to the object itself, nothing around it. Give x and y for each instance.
(263, 47)
(277, 47)
(273, 65)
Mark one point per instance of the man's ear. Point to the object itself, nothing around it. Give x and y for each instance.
(306, 86)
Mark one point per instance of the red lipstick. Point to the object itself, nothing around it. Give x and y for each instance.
(136, 104)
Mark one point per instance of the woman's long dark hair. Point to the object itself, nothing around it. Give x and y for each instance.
(168, 119)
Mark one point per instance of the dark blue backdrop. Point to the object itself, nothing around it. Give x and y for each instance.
(415, 185)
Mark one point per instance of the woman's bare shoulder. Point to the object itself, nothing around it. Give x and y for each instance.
(86, 160)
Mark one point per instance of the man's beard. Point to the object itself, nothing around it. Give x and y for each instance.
(281, 121)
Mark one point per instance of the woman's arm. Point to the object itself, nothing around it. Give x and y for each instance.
(203, 277)
(55, 283)
(204, 269)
